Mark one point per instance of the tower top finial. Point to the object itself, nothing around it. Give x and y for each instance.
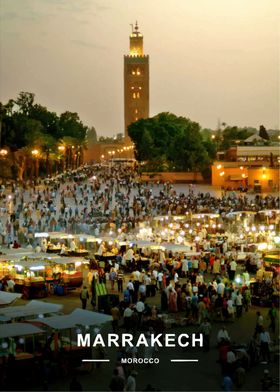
(136, 26)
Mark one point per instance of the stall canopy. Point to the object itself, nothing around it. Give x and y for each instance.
(8, 298)
(18, 329)
(270, 258)
(33, 308)
(177, 248)
(77, 318)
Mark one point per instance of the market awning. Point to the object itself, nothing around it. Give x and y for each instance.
(272, 259)
(77, 318)
(18, 329)
(33, 308)
(8, 298)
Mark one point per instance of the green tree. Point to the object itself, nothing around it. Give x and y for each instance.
(174, 142)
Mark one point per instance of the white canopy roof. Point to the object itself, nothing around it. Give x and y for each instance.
(177, 248)
(18, 329)
(33, 308)
(7, 298)
(76, 318)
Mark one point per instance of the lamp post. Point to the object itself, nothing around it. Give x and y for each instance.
(3, 153)
(61, 150)
(35, 153)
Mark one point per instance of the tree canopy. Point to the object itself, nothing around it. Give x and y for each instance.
(26, 123)
(168, 142)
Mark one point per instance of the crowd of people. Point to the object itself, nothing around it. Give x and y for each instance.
(174, 289)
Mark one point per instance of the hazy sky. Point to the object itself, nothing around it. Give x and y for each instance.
(209, 59)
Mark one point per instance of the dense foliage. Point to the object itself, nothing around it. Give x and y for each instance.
(168, 142)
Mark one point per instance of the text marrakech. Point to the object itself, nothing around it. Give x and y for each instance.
(126, 339)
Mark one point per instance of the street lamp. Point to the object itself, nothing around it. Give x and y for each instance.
(35, 153)
(3, 153)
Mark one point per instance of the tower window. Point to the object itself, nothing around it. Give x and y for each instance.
(136, 111)
(138, 72)
(136, 118)
(133, 72)
(138, 95)
(132, 88)
(140, 88)
(134, 95)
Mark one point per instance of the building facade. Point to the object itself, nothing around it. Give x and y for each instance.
(136, 80)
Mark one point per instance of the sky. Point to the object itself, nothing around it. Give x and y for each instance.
(210, 60)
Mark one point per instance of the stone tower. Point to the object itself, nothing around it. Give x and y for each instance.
(136, 80)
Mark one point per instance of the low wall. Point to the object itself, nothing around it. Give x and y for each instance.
(174, 177)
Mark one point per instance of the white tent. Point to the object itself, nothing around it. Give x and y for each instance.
(177, 248)
(8, 298)
(33, 308)
(77, 318)
(18, 329)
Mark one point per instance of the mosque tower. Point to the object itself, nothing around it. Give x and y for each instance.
(136, 80)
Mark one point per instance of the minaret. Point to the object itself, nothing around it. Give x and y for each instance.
(136, 80)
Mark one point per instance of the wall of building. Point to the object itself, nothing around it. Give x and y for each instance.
(174, 177)
(267, 178)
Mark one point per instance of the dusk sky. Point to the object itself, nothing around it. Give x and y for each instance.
(209, 59)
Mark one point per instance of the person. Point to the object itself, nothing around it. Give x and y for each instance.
(130, 287)
(232, 270)
(131, 382)
(127, 317)
(75, 385)
(264, 339)
(259, 323)
(227, 384)
(239, 304)
(172, 300)
(117, 382)
(205, 329)
(11, 285)
(84, 296)
(112, 277)
(159, 279)
(223, 336)
(116, 317)
(120, 278)
(140, 307)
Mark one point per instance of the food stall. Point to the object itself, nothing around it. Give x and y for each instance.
(32, 309)
(64, 330)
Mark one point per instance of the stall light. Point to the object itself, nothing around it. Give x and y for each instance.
(254, 228)
(78, 263)
(110, 232)
(250, 233)
(247, 229)
(219, 167)
(206, 226)
(222, 173)
(270, 247)
(19, 267)
(198, 224)
(9, 197)
(182, 232)
(99, 241)
(119, 230)
(4, 345)
(78, 330)
(273, 233)
(238, 280)
(171, 225)
(21, 340)
(190, 231)
(219, 225)
(70, 236)
(271, 227)
(131, 245)
(166, 230)
(197, 238)
(277, 239)
(40, 316)
(214, 226)
(241, 236)
(180, 239)
(262, 246)
(87, 327)
(162, 233)
(37, 268)
(41, 235)
(110, 242)
(262, 227)
(96, 330)
(187, 225)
